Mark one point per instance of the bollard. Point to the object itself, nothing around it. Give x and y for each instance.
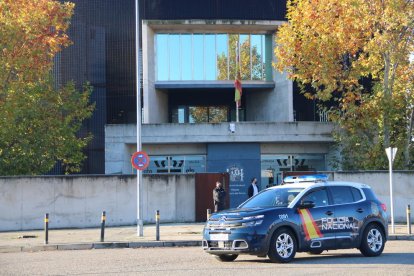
(46, 228)
(208, 214)
(103, 219)
(408, 219)
(157, 225)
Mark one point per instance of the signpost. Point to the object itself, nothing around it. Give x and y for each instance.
(391, 152)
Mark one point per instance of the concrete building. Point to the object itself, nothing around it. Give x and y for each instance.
(191, 53)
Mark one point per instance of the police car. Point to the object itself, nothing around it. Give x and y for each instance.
(306, 214)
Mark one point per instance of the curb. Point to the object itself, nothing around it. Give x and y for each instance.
(148, 244)
(100, 245)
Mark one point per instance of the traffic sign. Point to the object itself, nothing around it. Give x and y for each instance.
(140, 160)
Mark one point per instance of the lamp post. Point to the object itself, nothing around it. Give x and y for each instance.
(140, 224)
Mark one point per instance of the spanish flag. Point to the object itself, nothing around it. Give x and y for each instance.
(238, 92)
(312, 231)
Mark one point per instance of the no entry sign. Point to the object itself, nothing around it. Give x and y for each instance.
(140, 160)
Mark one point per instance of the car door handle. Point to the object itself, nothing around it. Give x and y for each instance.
(360, 210)
(329, 213)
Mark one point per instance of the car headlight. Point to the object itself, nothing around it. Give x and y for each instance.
(253, 220)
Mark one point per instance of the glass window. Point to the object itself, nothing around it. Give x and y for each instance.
(217, 114)
(213, 56)
(178, 115)
(174, 55)
(198, 114)
(257, 50)
(319, 197)
(162, 56)
(210, 56)
(233, 58)
(280, 197)
(244, 57)
(341, 194)
(186, 57)
(198, 57)
(309, 162)
(356, 193)
(222, 56)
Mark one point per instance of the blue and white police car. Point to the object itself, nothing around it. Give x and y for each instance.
(306, 214)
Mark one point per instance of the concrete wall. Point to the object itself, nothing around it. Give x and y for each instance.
(78, 201)
(403, 188)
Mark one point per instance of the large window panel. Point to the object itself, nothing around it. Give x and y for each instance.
(244, 57)
(233, 58)
(198, 114)
(174, 55)
(222, 57)
(217, 114)
(186, 57)
(256, 57)
(162, 56)
(198, 57)
(210, 56)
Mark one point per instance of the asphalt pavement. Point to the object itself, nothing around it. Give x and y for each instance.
(172, 234)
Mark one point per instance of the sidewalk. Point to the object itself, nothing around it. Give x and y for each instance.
(174, 234)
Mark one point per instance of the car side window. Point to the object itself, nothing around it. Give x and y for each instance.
(319, 197)
(356, 193)
(342, 194)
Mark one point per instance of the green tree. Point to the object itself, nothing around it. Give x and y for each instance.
(334, 47)
(38, 122)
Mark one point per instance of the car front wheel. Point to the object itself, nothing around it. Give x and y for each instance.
(373, 241)
(282, 246)
(226, 257)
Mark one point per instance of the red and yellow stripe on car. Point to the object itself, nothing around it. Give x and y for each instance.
(309, 226)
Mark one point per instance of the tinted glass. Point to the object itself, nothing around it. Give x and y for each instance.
(342, 194)
(280, 197)
(174, 55)
(222, 57)
(245, 65)
(257, 50)
(198, 57)
(186, 57)
(357, 194)
(210, 56)
(319, 197)
(162, 57)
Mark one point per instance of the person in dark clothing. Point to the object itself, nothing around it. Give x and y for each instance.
(253, 188)
(219, 197)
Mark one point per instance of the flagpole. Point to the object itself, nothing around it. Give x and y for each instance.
(237, 112)
(237, 76)
(140, 223)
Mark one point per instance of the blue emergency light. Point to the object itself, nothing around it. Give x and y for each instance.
(305, 178)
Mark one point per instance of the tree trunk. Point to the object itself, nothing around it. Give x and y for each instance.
(407, 160)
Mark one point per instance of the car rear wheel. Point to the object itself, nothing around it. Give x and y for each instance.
(282, 246)
(373, 241)
(226, 257)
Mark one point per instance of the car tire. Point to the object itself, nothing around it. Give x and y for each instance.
(315, 252)
(373, 241)
(226, 257)
(282, 246)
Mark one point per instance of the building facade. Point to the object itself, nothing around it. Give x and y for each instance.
(191, 54)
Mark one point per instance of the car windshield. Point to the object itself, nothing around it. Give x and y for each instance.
(279, 197)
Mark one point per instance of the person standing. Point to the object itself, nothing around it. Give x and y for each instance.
(253, 188)
(219, 197)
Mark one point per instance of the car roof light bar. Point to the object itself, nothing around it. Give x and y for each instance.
(305, 178)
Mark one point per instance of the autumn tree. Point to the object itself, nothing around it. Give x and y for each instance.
(38, 121)
(356, 52)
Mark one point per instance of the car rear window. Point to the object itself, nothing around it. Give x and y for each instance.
(356, 193)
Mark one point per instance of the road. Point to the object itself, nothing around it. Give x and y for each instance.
(397, 259)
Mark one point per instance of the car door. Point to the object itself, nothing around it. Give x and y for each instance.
(350, 211)
(314, 236)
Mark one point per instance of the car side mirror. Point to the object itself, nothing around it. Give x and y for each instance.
(307, 204)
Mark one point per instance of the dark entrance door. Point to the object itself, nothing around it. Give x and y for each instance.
(204, 185)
